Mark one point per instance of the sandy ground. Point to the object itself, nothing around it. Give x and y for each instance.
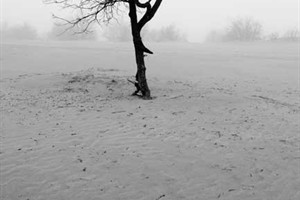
(224, 123)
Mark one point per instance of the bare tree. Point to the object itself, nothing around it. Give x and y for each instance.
(292, 35)
(102, 11)
(119, 32)
(215, 36)
(273, 36)
(19, 32)
(244, 29)
(168, 33)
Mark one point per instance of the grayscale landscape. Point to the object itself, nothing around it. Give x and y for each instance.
(223, 121)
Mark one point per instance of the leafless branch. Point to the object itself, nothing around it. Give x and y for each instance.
(101, 11)
(143, 5)
(150, 12)
(89, 11)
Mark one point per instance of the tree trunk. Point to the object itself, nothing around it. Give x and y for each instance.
(141, 72)
(141, 80)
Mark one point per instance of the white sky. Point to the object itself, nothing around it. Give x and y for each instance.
(195, 17)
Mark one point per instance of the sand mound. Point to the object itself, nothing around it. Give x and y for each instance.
(81, 135)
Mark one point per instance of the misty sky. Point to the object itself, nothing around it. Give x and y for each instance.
(194, 17)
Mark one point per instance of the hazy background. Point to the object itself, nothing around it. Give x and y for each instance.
(193, 18)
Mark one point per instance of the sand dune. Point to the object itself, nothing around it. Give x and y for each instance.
(78, 134)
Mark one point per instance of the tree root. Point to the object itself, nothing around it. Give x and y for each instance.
(138, 89)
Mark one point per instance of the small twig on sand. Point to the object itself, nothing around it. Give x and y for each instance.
(133, 82)
(175, 97)
(116, 112)
(138, 88)
(161, 196)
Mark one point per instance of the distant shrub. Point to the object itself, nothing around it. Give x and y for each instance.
(122, 33)
(239, 29)
(118, 33)
(215, 36)
(62, 33)
(168, 33)
(273, 36)
(292, 35)
(19, 32)
(244, 29)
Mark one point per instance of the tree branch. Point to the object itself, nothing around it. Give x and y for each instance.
(149, 14)
(143, 5)
(89, 11)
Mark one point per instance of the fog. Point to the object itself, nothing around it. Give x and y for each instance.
(194, 17)
(216, 117)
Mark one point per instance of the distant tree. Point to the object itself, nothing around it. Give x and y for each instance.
(60, 33)
(215, 36)
(119, 32)
(19, 32)
(292, 35)
(244, 29)
(168, 33)
(273, 36)
(103, 11)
